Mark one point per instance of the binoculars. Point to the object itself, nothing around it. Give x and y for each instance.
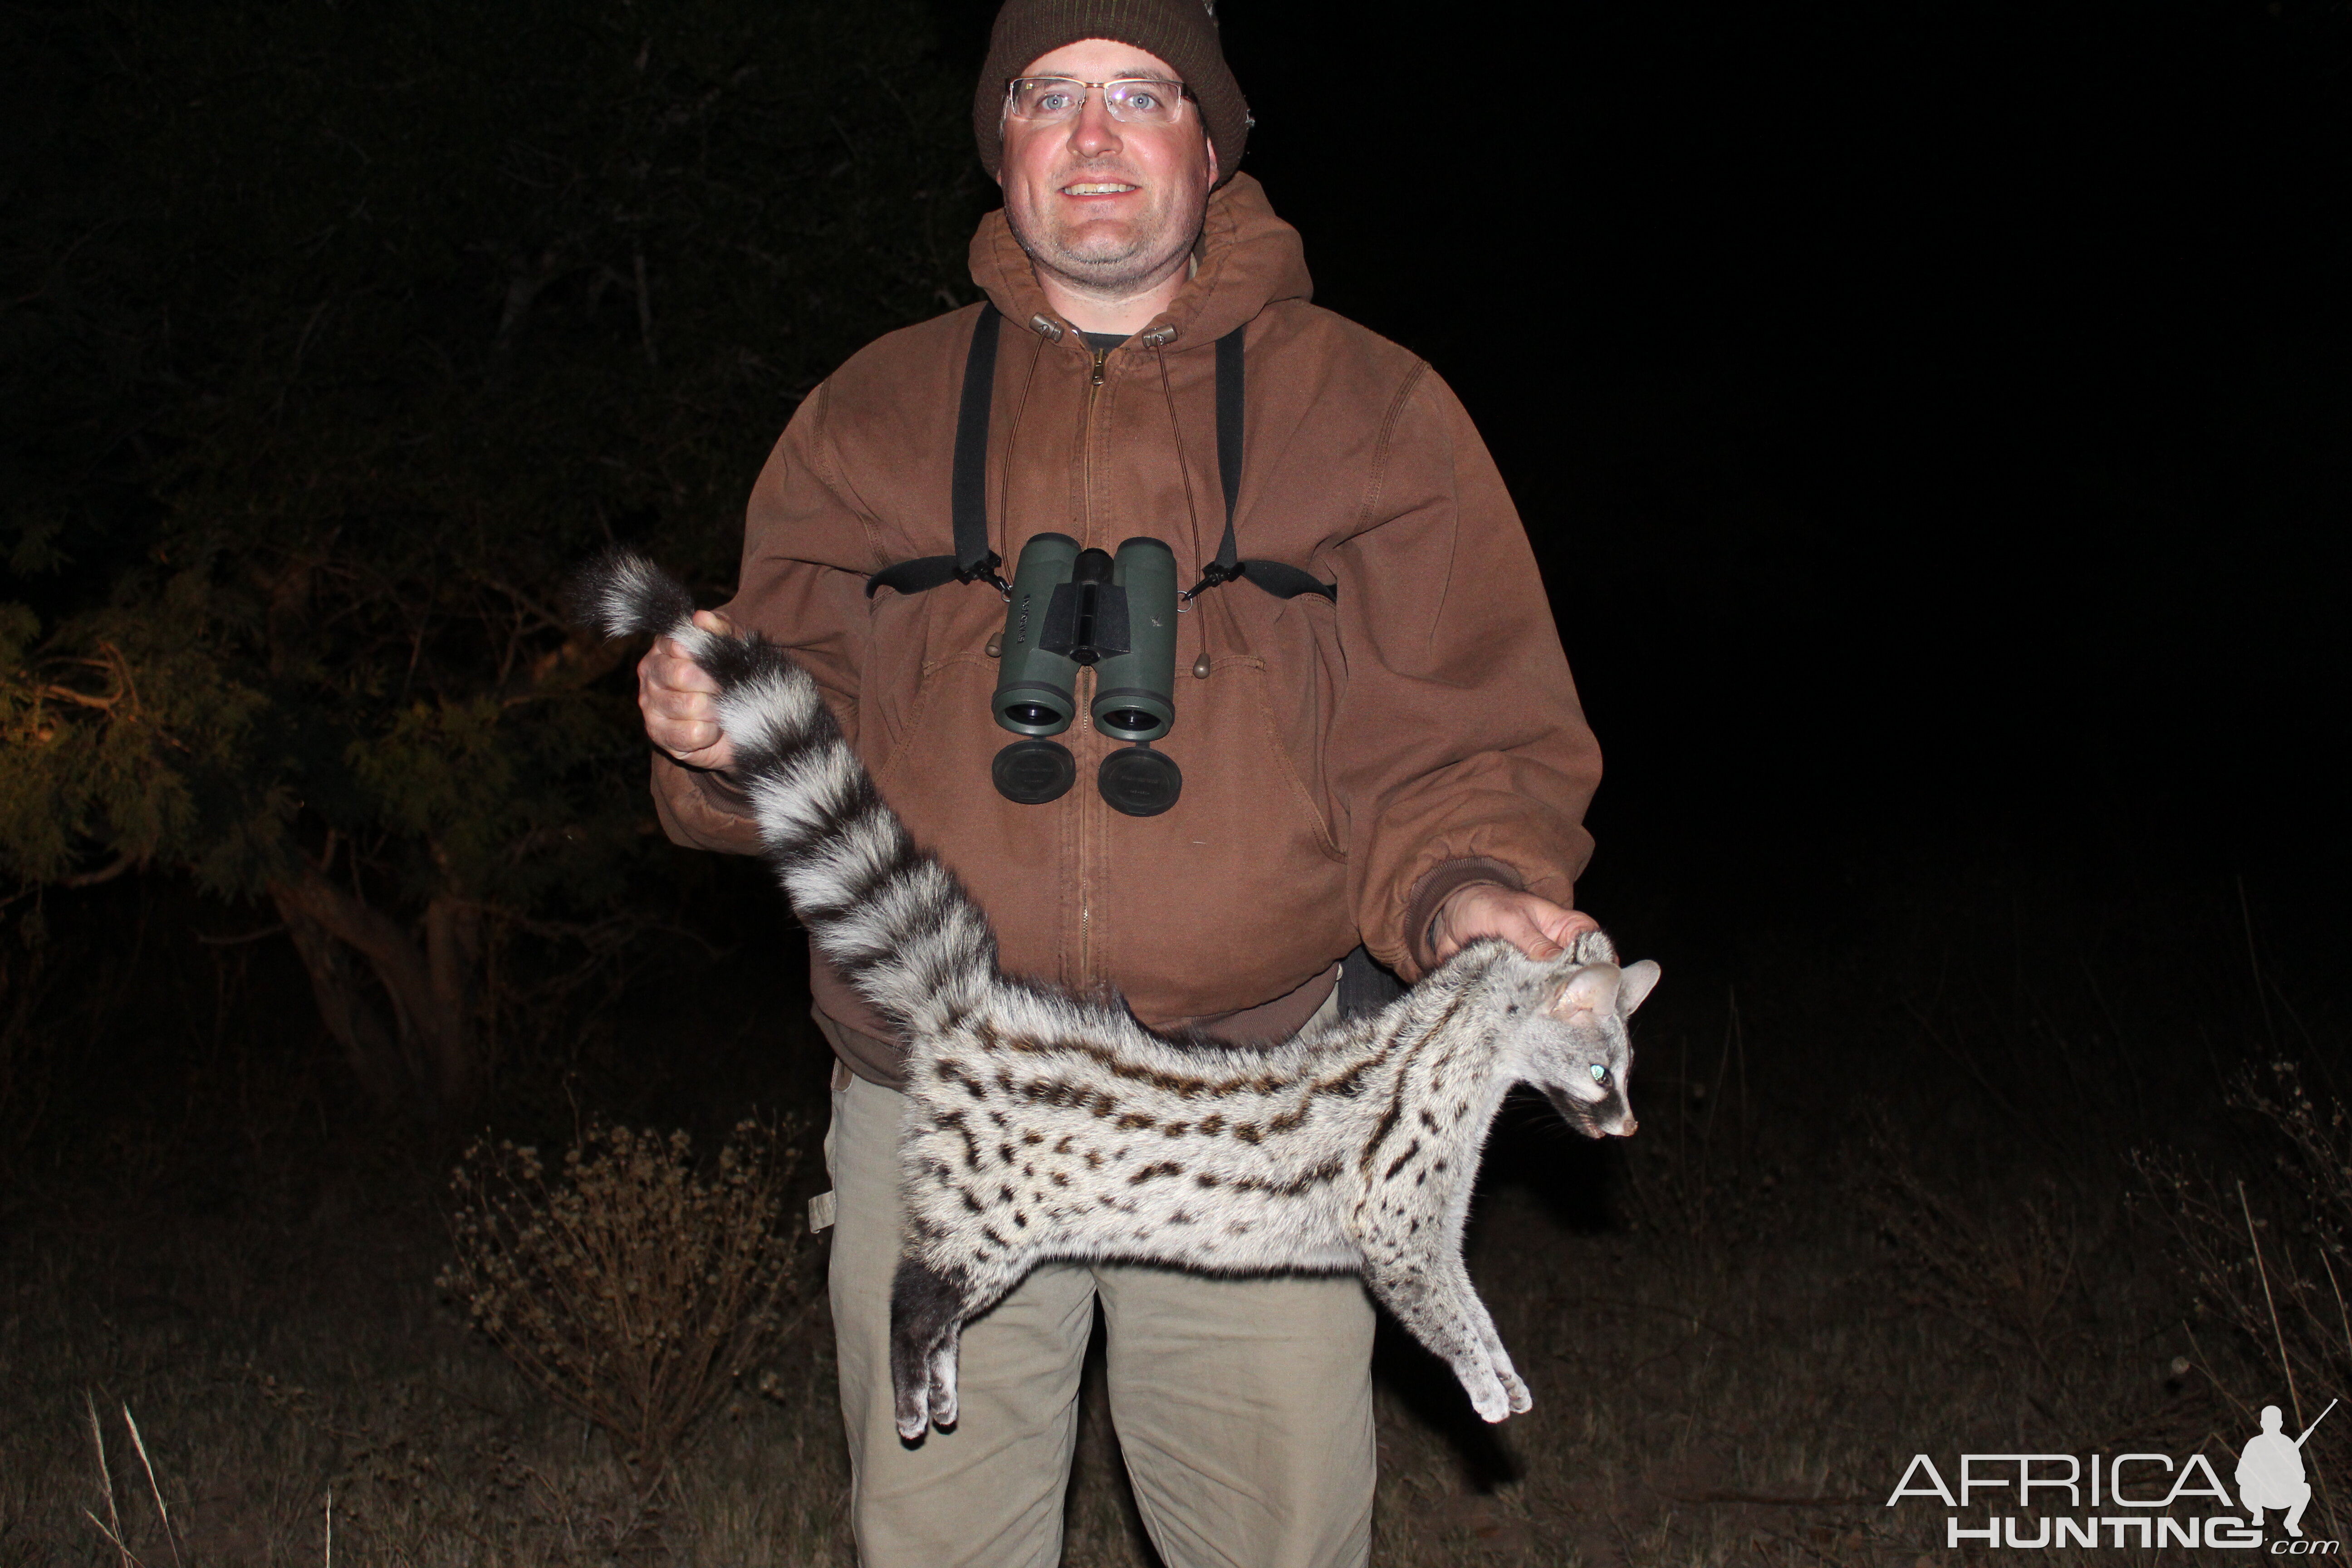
(1071, 607)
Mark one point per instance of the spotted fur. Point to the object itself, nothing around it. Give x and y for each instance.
(1041, 1126)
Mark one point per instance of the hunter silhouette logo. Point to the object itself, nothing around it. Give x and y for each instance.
(2269, 1471)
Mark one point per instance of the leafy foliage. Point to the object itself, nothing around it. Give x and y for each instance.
(336, 334)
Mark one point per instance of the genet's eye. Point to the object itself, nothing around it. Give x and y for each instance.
(1599, 1073)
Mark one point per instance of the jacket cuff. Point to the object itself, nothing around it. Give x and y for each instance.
(1439, 883)
(702, 811)
(717, 788)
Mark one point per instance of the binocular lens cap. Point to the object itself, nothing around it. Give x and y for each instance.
(1033, 772)
(1138, 781)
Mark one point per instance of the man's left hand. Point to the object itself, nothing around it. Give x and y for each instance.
(1537, 926)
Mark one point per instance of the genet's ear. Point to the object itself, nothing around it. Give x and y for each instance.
(1589, 995)
(1640, 979)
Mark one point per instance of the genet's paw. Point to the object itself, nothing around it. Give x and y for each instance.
(943, 1383)
(1490, 1401)
(1521, 1400)
(910, 1387)
(913, 1415)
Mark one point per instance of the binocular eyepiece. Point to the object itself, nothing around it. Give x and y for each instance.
(1071, 607)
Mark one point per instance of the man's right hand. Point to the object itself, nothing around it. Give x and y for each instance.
(680, 701)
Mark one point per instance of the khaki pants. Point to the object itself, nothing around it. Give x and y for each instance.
(1244, 1406)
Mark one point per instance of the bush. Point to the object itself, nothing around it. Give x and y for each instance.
(2266, 1259)
(628, 1287)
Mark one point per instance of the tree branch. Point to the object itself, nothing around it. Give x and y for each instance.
(107, 873)
(427, 988)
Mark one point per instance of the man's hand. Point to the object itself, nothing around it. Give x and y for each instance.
(1537, 926)
(680, 700)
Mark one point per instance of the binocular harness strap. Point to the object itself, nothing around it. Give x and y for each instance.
(968, 489)
(1276, 578)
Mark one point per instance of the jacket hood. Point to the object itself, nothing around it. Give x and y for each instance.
(1249, 258)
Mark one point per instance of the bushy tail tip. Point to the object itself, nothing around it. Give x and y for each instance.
(621, 594)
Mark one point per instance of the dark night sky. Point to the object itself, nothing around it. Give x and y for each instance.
(1932, 417)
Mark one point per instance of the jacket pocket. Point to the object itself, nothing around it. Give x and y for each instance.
(1283, 765)
(1016, 860)
(927, 685)
(1237, 894)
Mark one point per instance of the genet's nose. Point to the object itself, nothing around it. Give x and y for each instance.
(1632, 1125)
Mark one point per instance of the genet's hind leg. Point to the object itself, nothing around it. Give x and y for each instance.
(1433, 1310)
(927, 1308)
(943, 1376)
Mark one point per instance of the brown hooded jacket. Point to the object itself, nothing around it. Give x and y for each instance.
(1344, 766)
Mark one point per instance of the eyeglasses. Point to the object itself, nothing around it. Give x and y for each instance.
(1131, 100)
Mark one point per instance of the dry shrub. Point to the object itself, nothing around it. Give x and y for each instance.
(2264, 1253)
(629, 1289)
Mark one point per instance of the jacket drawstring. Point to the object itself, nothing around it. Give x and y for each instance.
(1192, 512)
(1005, 474)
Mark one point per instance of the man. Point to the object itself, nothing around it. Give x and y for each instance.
(1404, 765)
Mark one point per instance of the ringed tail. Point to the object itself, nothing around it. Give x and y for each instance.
(884, 911)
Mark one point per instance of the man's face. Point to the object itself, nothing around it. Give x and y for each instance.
(1107, 207)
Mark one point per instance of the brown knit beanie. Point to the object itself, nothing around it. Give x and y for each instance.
(1181, 32)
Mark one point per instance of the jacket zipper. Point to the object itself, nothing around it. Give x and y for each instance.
(1086, 432)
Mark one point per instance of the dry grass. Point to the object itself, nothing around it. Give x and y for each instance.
(2007, 1276)
(1843, 1238)
(1734, 1377)
(343, 1375)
